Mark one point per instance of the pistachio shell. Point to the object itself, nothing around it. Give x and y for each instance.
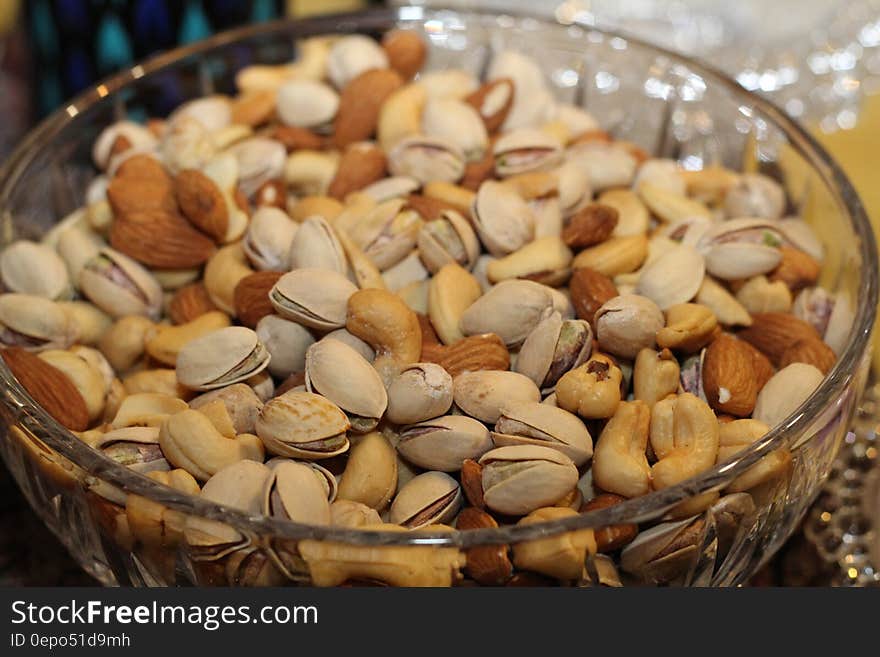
(268, 239)
(292, 492)
(741, 248)
(511, 309)
(532, 101)
(482, 394)
(457, 122)
(427, 159)
(608, 165)
(673, 277)
(443, 443)
(303, 425)
(316, 246)
(755, 195)
(306, 103)
(316, 298)
(260, 160)
(77, 246)
(286, 342)
(137, 135)
(554, 347)
(449, 238)
(785, 391)
(388, 233)
(429, 498)
(502, 219)
(534, 423)
(628, 323)
(525, 150)
(120, 286)
(220, 358)
(32, 268)
(352, 55)
(34, 323)
(391, 187)
(421, 391)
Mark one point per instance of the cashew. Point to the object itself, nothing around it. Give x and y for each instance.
(382, 319)
(655, 375)
(169, 340)
(619, 462)
(146, 409)
(736, 436)
(216, 412)
(591, 390)
(223, 272)
(684, 437)
(370, 475)
(154, 524)
(123, 344)
(562, 555)
(163, 381)
(689, 327)
(759, 295)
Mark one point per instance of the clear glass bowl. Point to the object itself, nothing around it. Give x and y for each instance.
(667, 104)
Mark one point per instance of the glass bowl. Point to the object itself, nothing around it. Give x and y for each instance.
(668, 105)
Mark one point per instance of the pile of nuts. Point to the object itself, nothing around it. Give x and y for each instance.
(359, 295)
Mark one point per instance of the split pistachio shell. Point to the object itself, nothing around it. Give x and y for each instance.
(32, 268)
(664, 552)
(532, 101)
(286, 342)
(302, 425)
(741, 248)
(523, 150)
(352, 55)
(137, 135)
(268, 239)
(553, 348)
(316, 246)
(545, 260)
(134, 447)
(120, 286)
(370, 475)
(674, 277)
(388, 233)
(220, 358)
(293, 492)
(457, 122)
(502, 218)
(511, 309)
(316, 298)
(627, 324)
(785, 391)
(429, 498)
(521, 478)
(306, 103)
(427, 159)
(443, 443)
(482, 394)
(755, 195)
(34, 323)
(343, 335)
(534, 423)
(342, 375)
(241, 403)
(448, 239)
(420, 392)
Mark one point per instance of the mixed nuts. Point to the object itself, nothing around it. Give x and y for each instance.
(359, 295)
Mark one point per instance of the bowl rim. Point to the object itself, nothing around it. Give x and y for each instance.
(36, 421)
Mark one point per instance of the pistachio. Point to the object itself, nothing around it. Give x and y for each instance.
(370, 476)
(511, 310)
(755, 195)
(561, 556)
(532, 101)
(220, 358)
(306, 103)
(448, 239)
(429, 498)
(523, 150)
(459, 123)
(554, 347)
(391, 187)
(313, 297)
(34, 323)
(673, 278)
(814, 305)
(350, 56)
(134, 447)
(444, 442)
(316, 246)
(134, 134)
(286, 342)
(120, 286)
(31, 268)
(534, 423)
(292, 492)
(482, 394)
(427, 159)
(302, 425)
(619, 462)
(521, 478)
(268, 239)
(260, 160)
(242, 405)
(343, 335)
(546, 260)
(77, 246)
(666, 551)
(627, 324)
(591, 390)
(502, 219)
(420, 392)
(741, 248)
(342, 375)
(785, 391)
(388, 233)
(607, 164)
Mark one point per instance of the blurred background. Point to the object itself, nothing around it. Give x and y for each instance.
(817, 59)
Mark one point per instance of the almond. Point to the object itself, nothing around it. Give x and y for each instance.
(613, 537)
(406, 52)
(359, 105)
(295, 138)
(811, 351)
(160, 239)
(729, 379)
(591, 225)
(477, 352)
(590, 290)
(189, 302)
(251, 297)
(797, 269)
(429, 335)
(253, 108)
(140, 184)
(362, 163)
(428, 208)
(764, 369)
(472, 482)
(493, 101)
(487, 564)
(773, 333)
(49, 387)
(202, 202)
(271, 193)
(143, 166)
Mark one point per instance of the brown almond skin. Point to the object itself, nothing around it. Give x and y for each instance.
(476, 99)
(160, 239)
(773, 333)
(272, 193)
(359, 105)
(429, 335)
(764, 369)
(797, 269)
(128, 194)
(202, 202)
(189, 302)
(406, 52)
(590, 290)
(810, 351)
(727, 365)
(143, 166)
(361, 164)
(592, 224)
(251, 297)
(613, 537)
(487, 564)
(428, 208)
(476, 352)
(295, 138)
(472, 483)
(49, 387)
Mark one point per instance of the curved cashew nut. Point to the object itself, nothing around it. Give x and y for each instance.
(736, 436)
(591, 390)
(684, 436)
(382, 319)
(619, 462)
(655, 375)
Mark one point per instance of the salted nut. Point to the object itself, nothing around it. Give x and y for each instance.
(628, 323)
(34, 323)
(302, 425)
(741, 248)
(31, 268)
(268, 239)
(533, 423)
(293, 492)
(313, 297)
(483, 394)
(511, 310)
(420, 392)
(444, 443)
(684, 437)
(449, 238)
(120, 286)
(427, 159)
(554, 347)
(591, 390)
(221, 358)
(503, 220)
(428, 499)
(523, 150)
